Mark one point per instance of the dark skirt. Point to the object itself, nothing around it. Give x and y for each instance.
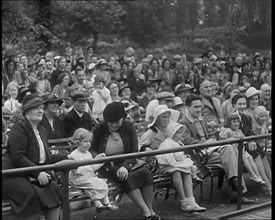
(136, 178)
(28, 199)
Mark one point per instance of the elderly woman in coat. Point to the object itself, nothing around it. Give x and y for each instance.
(33, 192)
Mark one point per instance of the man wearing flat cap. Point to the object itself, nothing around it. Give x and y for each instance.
(77, 117)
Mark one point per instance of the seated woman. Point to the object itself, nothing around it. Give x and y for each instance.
(51, 122)
(33, 192)
(115, 136)
(152, 139)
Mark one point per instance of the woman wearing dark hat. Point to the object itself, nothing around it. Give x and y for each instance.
(53, 125)
(34, 192)
(125, 92)
(116, 136)
(150, 92)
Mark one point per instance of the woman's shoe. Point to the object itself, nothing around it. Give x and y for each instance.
(148, 217)
(198, 179)
(256, 179)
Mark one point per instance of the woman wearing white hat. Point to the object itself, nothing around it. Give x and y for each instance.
(154, 137)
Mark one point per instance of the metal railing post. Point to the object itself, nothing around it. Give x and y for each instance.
(240, 172)
(66, 204)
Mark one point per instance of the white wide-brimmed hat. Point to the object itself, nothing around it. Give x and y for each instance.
(173, 127)
(160, 109)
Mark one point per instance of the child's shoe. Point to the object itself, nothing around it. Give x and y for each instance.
(111, 207)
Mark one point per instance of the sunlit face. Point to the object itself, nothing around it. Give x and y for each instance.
(155, 65)
(163, 119)
(13, 92)
(195, 108)
(240, 105)
(84, 145)
(68, 67)
(206, 89)
(235, 123)
(25, 73)
(80, 76)
(130, 66)
(262, 118)
(115, 125)
(166, 65)
(113, 89)
(66, 81)
(267, 66)
(53, 107)
(178, 135)
(80, 105)
(253, 101)
(266, 93)
(183, 95)
(24, 60)
(20, 67)
(126, 93)
(62, 63)
(49, 65)
(11, 66)
(35, 114)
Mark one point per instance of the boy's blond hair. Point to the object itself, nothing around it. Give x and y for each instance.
(81, 134)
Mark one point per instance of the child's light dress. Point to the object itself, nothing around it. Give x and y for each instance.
(172, 162)
(85, 178)
(227, 133)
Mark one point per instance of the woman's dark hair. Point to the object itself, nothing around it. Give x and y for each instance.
(191, 98)
(164, 62)
(112, 82)
(154, 59)
(237, 97)
(62, 76)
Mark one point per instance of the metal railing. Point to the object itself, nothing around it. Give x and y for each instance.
(66, 165)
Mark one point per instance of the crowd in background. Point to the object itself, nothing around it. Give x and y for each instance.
(77, 85)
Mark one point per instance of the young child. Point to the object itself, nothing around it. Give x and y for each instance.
(12, 103)
(260, 127)
(84, 177)
(101, 98)
(179, 162)
(232, 131)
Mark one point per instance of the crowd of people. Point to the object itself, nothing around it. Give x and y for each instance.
(113, 105)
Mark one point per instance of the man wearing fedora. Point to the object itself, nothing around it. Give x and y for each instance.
(77, 117)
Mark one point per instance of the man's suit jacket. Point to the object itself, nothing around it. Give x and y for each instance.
(207, 110)
(72, 122)
(192, 135)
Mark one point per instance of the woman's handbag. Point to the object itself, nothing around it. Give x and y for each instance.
(139, 163)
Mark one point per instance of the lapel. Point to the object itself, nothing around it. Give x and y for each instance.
(207, 103)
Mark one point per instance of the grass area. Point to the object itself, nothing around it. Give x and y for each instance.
(170, 209)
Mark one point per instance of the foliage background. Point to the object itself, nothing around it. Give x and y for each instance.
(155, 26)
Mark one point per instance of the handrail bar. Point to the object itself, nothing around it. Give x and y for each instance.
(69, 164)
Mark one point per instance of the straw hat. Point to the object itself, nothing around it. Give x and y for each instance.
(53, 98)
